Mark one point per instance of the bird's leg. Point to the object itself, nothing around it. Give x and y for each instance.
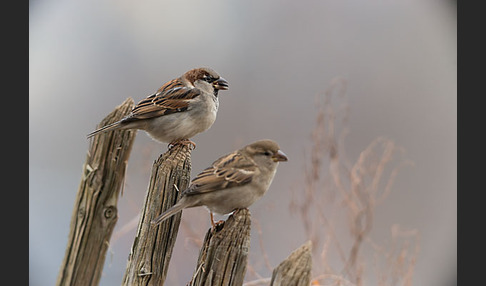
(212, 220)
(215, 224)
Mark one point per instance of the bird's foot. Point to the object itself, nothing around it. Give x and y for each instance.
(185, 142)
(215, 224)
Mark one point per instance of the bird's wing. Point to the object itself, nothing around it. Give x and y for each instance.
(232, 170)
(172, 97)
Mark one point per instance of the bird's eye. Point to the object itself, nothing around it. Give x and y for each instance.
(267, 153)
(208, 78)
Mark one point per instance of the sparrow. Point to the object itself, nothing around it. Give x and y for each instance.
(232, 182)
(177, 111)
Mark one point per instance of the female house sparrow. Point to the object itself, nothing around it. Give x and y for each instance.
(180, 109)
(234, 181)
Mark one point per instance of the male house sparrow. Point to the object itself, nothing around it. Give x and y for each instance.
(180, 109)
(234, 181)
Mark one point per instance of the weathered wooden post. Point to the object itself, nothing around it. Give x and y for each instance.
(151, 251)
(95, 209)
(224, 255)
(296, 269)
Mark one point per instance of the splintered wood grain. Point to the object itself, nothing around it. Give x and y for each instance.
(151, 251)
(224, 255)
(296, 269)
(95, 210)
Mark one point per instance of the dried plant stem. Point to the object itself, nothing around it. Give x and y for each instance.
(357, 187)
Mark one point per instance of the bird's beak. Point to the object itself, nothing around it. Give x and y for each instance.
(220, 83)
(279, 156)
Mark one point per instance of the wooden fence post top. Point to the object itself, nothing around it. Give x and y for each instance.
(224, 255)
(295, 269)
(95, 211)
(151, 251)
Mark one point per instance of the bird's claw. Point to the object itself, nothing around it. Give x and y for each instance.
(184, 142)
(215, 224)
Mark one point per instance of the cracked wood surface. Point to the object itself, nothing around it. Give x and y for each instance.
(151, 251)
(95, 210)
(224, 255)
(295, 269)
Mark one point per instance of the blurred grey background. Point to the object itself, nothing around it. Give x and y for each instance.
(398, 58)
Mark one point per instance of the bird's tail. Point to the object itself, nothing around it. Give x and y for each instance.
(168, 213)
(106, 128)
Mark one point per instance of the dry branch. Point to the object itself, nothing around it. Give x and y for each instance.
(151, 251)
(296, 269)
(95, 210)
(224, 255)
(337, 187)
